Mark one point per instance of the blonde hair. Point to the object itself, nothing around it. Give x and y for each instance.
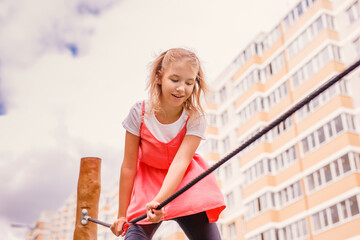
(192, 104)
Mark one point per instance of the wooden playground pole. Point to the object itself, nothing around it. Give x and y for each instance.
(88, 194)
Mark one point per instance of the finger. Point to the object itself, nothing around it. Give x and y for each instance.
(157, 211)
(113, 229)
(150, 206)
(151, 215)
(120, 228)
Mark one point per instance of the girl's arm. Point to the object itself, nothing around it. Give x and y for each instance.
(127, 176)
(128, 172)
(178, 167)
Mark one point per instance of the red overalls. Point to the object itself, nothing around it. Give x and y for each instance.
(154, 161)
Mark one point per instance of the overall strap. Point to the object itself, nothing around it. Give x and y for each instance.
(143, 110)
(142, 116)
(187, 120)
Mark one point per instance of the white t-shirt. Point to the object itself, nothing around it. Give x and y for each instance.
(163, 132)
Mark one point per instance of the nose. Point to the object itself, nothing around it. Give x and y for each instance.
(180, 88)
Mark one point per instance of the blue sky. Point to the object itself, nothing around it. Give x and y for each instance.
(70, 70)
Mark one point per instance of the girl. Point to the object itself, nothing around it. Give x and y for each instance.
(162, 135)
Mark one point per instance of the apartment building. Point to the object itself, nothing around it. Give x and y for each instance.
(301, 180)
(56, 225)
(60, 224)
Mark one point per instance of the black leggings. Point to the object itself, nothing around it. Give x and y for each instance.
(196, 227)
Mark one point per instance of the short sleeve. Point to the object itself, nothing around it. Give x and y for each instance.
(196, 127)
(133, 120)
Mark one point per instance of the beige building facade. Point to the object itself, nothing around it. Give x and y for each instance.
(300, 180)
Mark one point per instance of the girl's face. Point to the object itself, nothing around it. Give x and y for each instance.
(177, 83)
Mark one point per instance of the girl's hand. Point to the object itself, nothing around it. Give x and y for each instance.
(154, 215)
(117, 227)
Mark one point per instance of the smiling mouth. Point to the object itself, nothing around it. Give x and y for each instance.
(177, 96)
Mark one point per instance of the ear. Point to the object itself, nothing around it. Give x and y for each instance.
(158, 78)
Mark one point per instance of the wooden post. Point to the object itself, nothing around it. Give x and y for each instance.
(88, 194)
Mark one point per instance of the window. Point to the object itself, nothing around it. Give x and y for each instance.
(316, 221)
(297, 190)
(274, 66)
(230, 200)
(270, 165)
(309, 33)
(324, 97)
(259, 168)
(326, 55)
(226, 143)
(213, 145)
(339, 212)
(321, 135)
(318, 179)
(310, 182)
(329, 130)
(343, 208)
(356, 158)
(354, 208)
(289, 194)
(262, 202)
(350, 122)
(258, 206)
(305, 145)
(299, 9)
(338, 124)
(224, 118)
(345, 163)
(309, 70)
(295, 13)
(211, 119)
(247, 82)
(311, 140)
(222, 93)
(295, 230)
(337, 168)
(276, 96)
(357, 45)
(280, 128)
(249, 110)
(327, 172)
(334, 214)
(266, 235)
(232, 231)
(353, 12)
(228, 171)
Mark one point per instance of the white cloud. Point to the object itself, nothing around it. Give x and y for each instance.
(30, 28)
(60, 108)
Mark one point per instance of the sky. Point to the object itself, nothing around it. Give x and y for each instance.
(71, 69)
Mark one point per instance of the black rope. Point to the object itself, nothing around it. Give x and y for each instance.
(266, 129)
(277, 121)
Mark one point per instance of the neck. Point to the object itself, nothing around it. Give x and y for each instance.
(169, 114)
